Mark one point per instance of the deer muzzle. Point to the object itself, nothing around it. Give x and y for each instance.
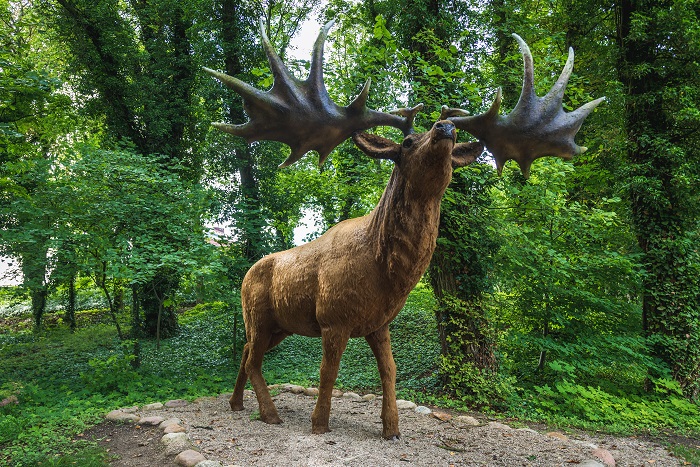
(444, 129)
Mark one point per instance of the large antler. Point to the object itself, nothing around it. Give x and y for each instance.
(537, 126)
(301, 114)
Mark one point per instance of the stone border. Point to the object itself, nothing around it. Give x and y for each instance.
(177, 442)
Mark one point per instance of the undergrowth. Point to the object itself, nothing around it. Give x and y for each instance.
(65, 382)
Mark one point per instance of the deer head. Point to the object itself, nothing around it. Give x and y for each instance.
(420, 155)
(302, 115)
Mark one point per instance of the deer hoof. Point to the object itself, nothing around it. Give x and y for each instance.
(392, 438)
(236, 407)
(319, 430)
(271, 420)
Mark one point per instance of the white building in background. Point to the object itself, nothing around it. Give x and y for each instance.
(9, 272)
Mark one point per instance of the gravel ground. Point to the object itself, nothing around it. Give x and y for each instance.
(238, 438)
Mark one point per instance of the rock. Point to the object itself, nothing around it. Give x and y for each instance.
(119, 416)
(153, 406)
(585, 444)
(176, 403)
(590, 463)
(169, 421)
(311, 392)
(275, 386)
(352, 395)
(467, 420)
(558, 435)
(529, 430)
(9, 400)
(442, 416)
(605, 456)
(423, 410)
(175, 443)
(189, 458)
(209, 464)
(153, 421)
(402, 404)
(174, 428)
(296, 389)
(499, 426)
(337, 393)
(369, 397)
(133, 409)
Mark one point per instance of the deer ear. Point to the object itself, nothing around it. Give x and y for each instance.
(377, 147)
(466, 153)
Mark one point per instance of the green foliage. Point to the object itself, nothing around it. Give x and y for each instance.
(476, 387)
(109, 375)
(592, 407)
(584, 272)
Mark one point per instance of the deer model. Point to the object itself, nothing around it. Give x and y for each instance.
(354, 279)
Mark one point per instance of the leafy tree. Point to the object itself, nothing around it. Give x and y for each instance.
(32, 115)
(567, 281)
(658, 67)
(134, 218)
(133, 64)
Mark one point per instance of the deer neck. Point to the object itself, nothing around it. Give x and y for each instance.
(403, 228)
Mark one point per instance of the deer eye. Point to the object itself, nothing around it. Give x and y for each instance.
(407, 143)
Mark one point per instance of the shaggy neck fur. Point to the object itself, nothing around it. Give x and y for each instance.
(404, 226)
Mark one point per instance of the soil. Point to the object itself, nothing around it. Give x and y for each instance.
(239, 438)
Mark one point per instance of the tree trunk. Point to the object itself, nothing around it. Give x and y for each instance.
(658, 158)
(159, 320)
(251, 233)
(136, 324)
(70, 305)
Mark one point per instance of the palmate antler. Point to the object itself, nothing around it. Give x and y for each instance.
(301, 114)
(536, 127)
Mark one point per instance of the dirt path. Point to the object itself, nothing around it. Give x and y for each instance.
(238, 438)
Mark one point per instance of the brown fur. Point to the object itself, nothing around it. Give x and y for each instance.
(354, 279)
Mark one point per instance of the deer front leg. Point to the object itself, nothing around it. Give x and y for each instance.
(334, 343)
(380, 343)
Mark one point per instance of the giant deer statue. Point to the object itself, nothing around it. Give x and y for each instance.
(354, 279)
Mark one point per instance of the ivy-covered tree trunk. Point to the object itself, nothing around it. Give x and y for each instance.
(250, 223)
(459, 275)
(662, 129)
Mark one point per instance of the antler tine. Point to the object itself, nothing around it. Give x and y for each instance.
(301, 114)
(410, 114)
(536, 127)
(316, 69)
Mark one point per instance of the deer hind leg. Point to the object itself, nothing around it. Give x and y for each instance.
(380, 343)
(334, 343)
(258, 344)
(236, 400)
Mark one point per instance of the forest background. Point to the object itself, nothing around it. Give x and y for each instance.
(572, 297)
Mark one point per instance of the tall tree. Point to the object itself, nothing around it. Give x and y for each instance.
(659, 67)
(134, 65)
(33, 115)
(251, 199)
